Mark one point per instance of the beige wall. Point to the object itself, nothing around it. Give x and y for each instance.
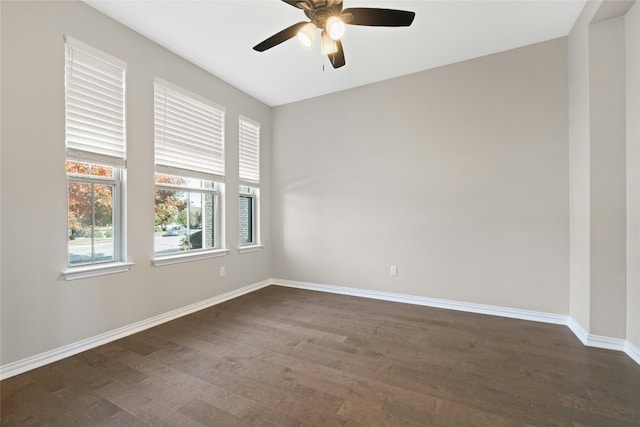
(603, 105)
(40, 310)
(579, 164)
(457, 175)
(607, 177)
(632, 28)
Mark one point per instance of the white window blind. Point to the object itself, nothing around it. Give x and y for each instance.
(94, 105)
(189, 133)
(249, 152)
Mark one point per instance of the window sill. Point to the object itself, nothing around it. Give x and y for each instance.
(83, 272)
(250, 248)
(193, 256)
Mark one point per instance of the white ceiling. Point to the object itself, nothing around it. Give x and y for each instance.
(218, 35)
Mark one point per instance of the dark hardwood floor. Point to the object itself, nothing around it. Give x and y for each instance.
(289, 357)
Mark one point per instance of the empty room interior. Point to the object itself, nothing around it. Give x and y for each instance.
(431, 219)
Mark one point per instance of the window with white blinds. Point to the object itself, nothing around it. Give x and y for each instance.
(189, 133)
(249, 152)
(95, 105)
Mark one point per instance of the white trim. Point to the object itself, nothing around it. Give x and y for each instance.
(250, 248)
(91, 157)
(598, 341)
(514, 313)
(188, 256)
(93, 270)
(578, 330)
(187, 173)
(33, 362)
(632, 351)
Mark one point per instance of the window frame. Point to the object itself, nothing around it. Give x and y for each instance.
(96, 68)
(216, 191)
(169, 99)
(116, 212)
(253, 195)
(249, 172)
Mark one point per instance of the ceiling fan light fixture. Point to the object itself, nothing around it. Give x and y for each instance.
(328, 44)
(331, 18)
(335, 27)
(307, 34)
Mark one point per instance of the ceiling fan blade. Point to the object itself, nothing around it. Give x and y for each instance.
(280, 37)
(379, 17)
(337, 58)
(300, 4)
(293, 3)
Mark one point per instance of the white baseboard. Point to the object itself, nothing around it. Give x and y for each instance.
(33, 362)
(578, 330)
(607, 343)
(587, 339)
(633, 352)
(600, 341)
(514, 313)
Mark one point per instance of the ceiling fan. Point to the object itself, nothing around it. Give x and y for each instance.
(330, 18)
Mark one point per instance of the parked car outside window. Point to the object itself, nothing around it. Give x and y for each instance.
(176, 230)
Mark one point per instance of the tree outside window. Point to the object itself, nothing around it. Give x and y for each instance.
(185, 214)
(91, 195)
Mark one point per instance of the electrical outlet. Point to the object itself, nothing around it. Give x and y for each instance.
(222, 272)
(393, 270)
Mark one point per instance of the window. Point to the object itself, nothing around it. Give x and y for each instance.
(93, 193)
(189, 179)
(186, 214)
(247, 215)
(249, 173)
(96, 154)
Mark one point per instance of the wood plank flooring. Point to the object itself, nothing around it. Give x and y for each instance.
(289, 357)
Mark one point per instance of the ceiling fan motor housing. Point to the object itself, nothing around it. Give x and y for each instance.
(318, 11)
